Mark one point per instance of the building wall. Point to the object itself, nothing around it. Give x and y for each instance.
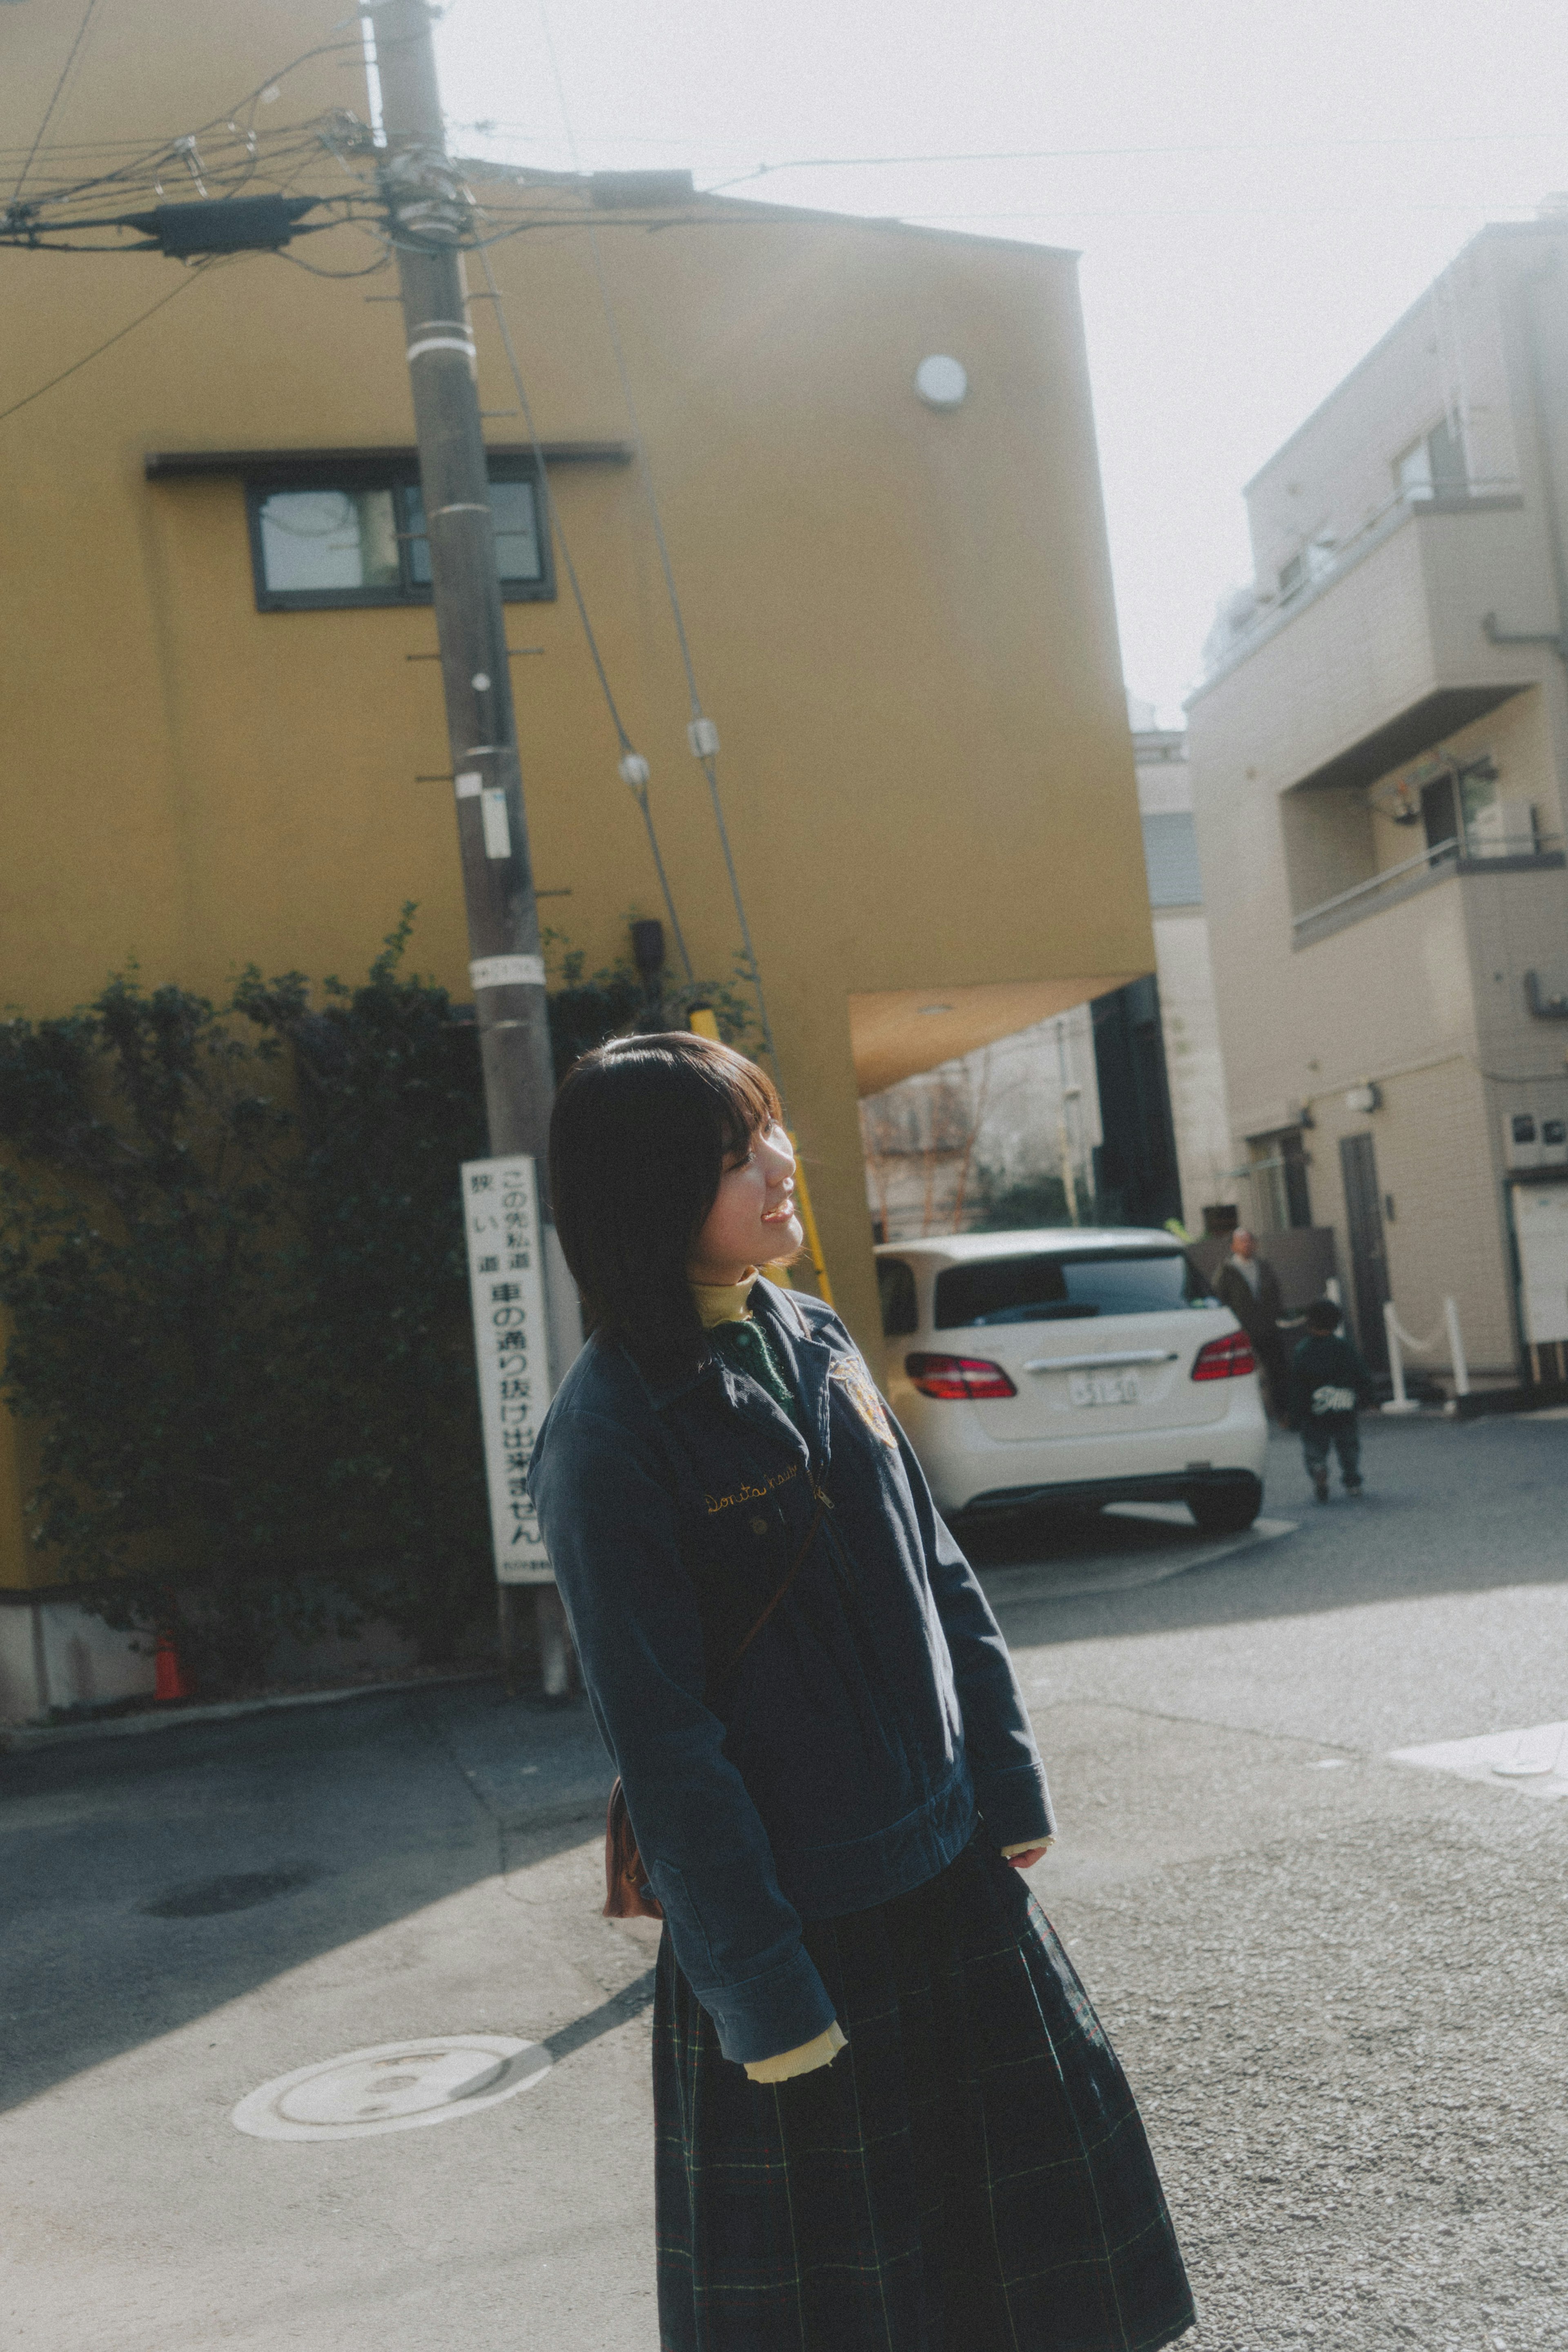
(902, 621)
(1194, 1064)
(1420, 988)
(1437, 1163)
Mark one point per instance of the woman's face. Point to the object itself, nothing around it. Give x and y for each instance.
(752, 1221)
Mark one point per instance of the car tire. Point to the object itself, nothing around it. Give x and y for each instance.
(1226, 1510)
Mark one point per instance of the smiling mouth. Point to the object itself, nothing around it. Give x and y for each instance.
(780, 1216)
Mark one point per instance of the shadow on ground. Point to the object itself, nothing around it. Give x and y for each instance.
(149, 1880)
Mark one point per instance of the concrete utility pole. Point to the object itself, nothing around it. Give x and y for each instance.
(429, 215)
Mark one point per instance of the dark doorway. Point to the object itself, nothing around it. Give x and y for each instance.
(1368, 1256)
(1135, 1177)
(1440, 821)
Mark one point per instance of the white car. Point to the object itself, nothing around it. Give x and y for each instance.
(1071, 1367)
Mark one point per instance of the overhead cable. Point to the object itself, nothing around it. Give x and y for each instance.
(195, 271)
(55, 95)
(633, 767)
(702, 734)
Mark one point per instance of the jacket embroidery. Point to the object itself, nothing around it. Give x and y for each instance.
(853, 1377)
(750, 1494)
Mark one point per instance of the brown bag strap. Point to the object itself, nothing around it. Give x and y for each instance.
(796, 1565)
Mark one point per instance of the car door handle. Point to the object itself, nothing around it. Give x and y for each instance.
(1102, 1363)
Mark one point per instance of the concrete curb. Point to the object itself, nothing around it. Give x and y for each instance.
(27, 1738)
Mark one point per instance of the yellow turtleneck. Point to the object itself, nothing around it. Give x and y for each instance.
(724, 1302)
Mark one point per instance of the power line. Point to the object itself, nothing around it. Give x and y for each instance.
(108, 344)
(550, 516)
(1426, 141)
(55, 95)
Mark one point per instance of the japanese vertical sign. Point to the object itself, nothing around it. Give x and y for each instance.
(505, 1281)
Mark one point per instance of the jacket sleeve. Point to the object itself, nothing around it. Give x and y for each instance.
(1003, 1761)
(610, 1528)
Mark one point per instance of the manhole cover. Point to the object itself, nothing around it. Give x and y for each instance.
(201, 1898)
(393, 2088)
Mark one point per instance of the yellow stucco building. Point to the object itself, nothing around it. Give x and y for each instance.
(900, 613)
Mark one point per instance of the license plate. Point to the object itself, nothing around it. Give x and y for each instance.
(1102, 1388)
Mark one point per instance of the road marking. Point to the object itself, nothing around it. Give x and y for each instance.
(1534, 1760)
(393, 2086)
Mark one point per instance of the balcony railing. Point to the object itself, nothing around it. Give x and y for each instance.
(1324, 562)
(1507, 852)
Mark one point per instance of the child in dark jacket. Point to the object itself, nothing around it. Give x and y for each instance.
(1328, 1382)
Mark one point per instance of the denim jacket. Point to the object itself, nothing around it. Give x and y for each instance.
(871, 1725)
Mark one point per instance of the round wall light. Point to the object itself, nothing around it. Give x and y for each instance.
(942, 382)
(1366, 1098)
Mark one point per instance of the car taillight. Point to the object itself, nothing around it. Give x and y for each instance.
(1225, 1360)
(957, 1376)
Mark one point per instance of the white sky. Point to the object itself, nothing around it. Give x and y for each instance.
(1302, 170)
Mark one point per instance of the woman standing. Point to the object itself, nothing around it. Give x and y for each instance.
(885, 2115)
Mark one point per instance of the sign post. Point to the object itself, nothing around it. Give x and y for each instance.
(505, 1284)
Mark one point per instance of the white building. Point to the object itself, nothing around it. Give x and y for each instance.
(1379, 760)
(1195, 1066)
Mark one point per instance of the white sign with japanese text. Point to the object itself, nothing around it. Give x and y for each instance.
(505, 1281)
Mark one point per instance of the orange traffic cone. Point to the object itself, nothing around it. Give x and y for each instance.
(170, 1679)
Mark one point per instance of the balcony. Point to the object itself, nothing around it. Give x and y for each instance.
(1318, 567)
(1382, 657)
(1506, 854)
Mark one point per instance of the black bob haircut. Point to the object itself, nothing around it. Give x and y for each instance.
(639, 1137)
(1323, 1316)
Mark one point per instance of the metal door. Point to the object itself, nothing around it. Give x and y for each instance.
(1368, 1256)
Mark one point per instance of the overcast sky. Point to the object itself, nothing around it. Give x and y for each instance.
(1287, 178)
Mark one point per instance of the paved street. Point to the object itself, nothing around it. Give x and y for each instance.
(1339, 1982)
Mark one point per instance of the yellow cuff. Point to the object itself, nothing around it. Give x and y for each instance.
(1025, 1845)
(820, 2050)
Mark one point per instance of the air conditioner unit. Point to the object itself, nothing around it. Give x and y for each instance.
(1521, 1139)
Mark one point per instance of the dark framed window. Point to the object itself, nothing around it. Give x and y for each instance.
(1066, 1288)
(896, 1287)
(323, 536)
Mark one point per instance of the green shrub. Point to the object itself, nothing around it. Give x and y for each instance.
(231, 1254)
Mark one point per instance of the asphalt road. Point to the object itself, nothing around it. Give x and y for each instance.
(1339, 1982)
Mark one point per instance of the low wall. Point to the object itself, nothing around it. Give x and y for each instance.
(55, 1653)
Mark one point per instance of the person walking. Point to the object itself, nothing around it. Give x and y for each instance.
(1328, 1382)
(885, 2114)
(1250, 1287)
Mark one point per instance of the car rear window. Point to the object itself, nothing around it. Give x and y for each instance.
(1057, 1287)
(895, 1286)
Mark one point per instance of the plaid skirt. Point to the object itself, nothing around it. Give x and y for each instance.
(969, 2175)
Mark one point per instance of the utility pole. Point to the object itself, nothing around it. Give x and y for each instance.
(428, 217)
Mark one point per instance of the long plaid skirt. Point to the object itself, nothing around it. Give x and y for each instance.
(969, 2175)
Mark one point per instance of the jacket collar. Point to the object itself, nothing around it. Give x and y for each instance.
(807, 1360)
(807, 1363)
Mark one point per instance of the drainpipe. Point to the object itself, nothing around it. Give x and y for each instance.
(1550, 508)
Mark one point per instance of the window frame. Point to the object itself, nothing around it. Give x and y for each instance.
(399, 477)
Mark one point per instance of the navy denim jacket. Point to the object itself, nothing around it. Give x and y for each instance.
(872, 1723)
